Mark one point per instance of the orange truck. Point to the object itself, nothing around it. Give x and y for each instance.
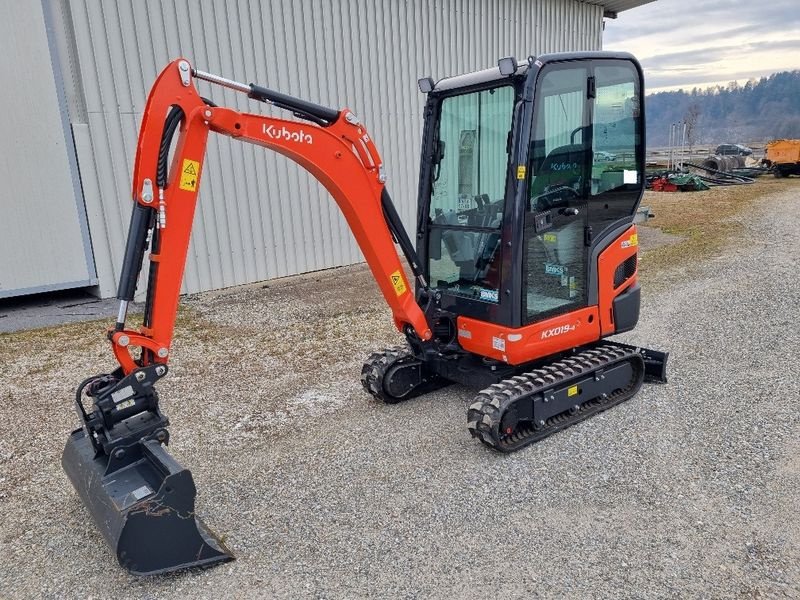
(783, 157)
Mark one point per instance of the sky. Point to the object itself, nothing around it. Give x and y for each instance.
(700, 43)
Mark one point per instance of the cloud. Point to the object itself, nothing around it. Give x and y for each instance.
(769, 24)
(690, 43)
(712, 54)
(680, 19)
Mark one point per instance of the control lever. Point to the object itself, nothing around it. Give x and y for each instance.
(569, 212)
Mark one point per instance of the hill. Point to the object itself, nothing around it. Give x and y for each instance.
(759, 110)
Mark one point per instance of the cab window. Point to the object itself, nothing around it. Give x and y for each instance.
(616, 181)
(468, 191)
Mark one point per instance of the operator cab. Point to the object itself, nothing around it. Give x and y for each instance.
(523, 177)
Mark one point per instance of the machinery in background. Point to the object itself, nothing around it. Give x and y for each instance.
(782, 157)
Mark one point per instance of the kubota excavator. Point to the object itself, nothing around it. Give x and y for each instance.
(525, 260)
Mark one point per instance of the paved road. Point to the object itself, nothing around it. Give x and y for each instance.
(688, 490)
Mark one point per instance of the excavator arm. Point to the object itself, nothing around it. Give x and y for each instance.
(331, 145)
(140, 498)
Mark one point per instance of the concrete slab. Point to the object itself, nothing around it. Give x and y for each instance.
(55, 308)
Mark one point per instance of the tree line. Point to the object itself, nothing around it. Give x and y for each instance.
(761, 110)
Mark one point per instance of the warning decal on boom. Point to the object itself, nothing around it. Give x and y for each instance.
(398, 283)
(189, 175)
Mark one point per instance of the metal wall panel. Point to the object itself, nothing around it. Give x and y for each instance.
(259, 215)
(44, 239)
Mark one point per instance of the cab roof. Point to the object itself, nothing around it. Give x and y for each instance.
(467, 80)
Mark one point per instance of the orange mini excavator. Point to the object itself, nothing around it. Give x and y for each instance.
(525, 261)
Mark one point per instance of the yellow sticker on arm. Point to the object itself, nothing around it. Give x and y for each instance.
(521, 170)
(398, 283)
(190, 173)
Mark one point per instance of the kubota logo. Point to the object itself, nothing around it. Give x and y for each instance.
(548, 333)
(564, 166)
(301, 137)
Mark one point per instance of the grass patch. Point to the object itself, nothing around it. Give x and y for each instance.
(705, 220)
(38, 351)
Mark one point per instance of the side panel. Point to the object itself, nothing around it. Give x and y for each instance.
(784, 151)
(521, 345)
(620, 250)
(617, 275)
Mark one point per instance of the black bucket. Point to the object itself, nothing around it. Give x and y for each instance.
(142, 500)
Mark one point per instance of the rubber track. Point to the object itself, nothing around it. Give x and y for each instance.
(485, 415)
(375, 369)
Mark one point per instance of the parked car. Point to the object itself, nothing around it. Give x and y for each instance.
(732, 150)
(603, 156)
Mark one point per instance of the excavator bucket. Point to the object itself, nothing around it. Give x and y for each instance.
(142, 500)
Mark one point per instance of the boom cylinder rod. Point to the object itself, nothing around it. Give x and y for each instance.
(223, 81)
(122, 314)
(322, 115)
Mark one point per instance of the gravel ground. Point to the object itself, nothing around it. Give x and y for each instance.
(688, 490)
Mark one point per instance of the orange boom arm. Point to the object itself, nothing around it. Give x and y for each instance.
(336, 149)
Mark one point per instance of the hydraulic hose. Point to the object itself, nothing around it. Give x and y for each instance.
(174, 118)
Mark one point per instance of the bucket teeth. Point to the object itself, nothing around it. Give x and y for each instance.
(143, 501)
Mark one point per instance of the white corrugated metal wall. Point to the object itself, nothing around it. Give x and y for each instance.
(44, 237)
(260, 216)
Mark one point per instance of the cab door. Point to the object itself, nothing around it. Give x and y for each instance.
(465, 208)
(555, 252)
(585, 178)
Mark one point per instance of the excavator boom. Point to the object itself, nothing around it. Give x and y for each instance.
(140, 497)
(335, 148)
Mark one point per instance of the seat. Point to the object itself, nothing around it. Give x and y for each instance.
(563, 166)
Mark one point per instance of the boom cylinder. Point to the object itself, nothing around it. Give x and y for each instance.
(322, 114)
(141, 217)
(281, 100)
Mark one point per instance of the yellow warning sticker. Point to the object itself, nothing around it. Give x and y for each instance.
(190, 172)
(631, 241)
(550, 237)
(398, 283)
(572, 390)
(521, 170)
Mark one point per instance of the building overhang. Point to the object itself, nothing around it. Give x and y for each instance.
(611, 8)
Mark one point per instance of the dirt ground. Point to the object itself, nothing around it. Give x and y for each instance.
(688, 490)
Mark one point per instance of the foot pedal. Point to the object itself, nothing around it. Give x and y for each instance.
(142, 500)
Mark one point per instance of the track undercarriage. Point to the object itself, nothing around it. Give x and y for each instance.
(520, 405)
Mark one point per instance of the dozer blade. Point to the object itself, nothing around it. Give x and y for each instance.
(142, 500)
